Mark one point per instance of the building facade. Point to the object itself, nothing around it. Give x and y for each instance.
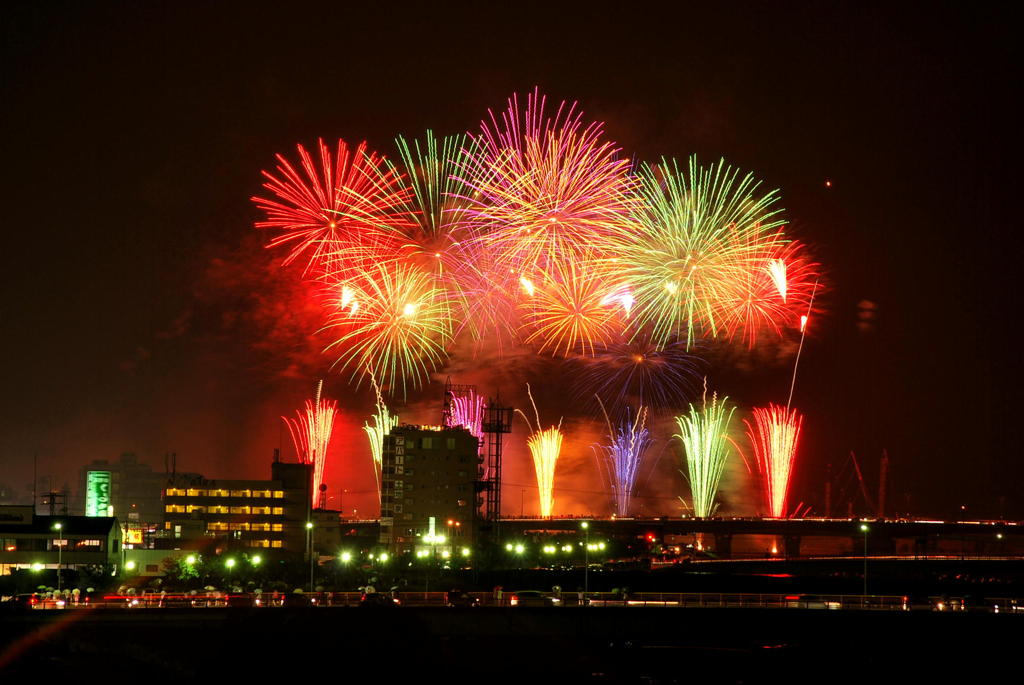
(30, 541)
(428, 498)
(268, 514)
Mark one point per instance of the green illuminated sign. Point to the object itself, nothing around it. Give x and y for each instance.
(97, 493)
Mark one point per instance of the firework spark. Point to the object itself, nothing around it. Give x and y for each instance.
(545, 446)
(383, 422)
(311, 434)
(400, 331)
(774, 436)
(702, 232)
(638, 373)
(343, 206)
(543, 187)
(704, 434)
(621, 459)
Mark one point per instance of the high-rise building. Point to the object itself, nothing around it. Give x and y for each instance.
(252, 513)
(428, 498)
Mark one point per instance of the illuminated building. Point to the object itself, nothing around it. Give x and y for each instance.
(268, 514)
(30, 541)
(126, 488)
(428, 498)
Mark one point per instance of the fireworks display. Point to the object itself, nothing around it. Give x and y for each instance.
(311, 434)
(545, 446)
(774, 435)
(622, 457)
(537, 233)
(704, 433)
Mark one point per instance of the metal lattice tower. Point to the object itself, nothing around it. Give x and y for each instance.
(497, 421)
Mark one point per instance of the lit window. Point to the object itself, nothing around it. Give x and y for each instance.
(450, 443)
(277, 527)
(279, 494)
(240, 510)
(427, 443)
(192, 492)
(193, 507)
(278, 511)
(275, 543)
(240, 493)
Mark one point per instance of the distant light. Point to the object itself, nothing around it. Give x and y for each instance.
(465, 551)
(256, 560)
(383, 557)
(828, 183)
(520, 549)
(445, 554)
(440, 539)
(864, 527)
(346, 557)
(585, 525)
(229, 563)
(508, 547)
(58, 526)
(566, 548)
(309, 525)
(37, 566)
(190, 559)
(803, 322)
(130, 565)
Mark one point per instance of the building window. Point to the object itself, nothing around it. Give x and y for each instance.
(175, 509)
(277, 527)
(241, 493)
(278, 511)
(217, 493)
(279, 494)
(450, 443)
(193, 507)
(275, 543)
(218, 510)
(427, 443)
(409, 472)
(192, 492)
(240, 510)
(174, 492)
(261, 510)
(399, 439)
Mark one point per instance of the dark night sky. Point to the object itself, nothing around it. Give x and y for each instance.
(140, 313)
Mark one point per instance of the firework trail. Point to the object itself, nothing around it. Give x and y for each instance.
(704, 434)
(545, 446)
(621, 459)
(344, 206)
(774, 436)
(383, 422)
(311, 434)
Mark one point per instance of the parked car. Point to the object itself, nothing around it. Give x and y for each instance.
(532, 598)
(377, 599)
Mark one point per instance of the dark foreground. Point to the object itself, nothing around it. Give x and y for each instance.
(563, 645)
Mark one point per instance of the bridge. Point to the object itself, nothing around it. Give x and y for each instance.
(878, 536)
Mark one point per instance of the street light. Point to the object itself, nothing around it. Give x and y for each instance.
(60, 551)
(309, 551)
(586, 564)
(864, 529)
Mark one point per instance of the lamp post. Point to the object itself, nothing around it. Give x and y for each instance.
(60, 552)
(586, 564)
(864, 529)
(230, 564)
(309, 552)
